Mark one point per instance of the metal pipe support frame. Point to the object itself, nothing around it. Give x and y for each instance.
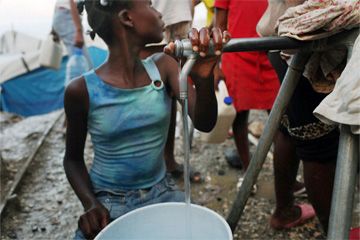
(348, 155)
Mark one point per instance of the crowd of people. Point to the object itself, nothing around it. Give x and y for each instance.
(128, 106)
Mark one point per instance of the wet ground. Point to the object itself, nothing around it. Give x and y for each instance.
(45, 207)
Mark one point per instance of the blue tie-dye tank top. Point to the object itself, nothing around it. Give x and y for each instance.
(128, 129)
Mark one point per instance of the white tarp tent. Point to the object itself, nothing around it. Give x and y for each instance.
(19, 53)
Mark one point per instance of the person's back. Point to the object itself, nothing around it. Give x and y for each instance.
(243, 16)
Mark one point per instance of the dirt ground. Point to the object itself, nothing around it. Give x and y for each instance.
(45, 207)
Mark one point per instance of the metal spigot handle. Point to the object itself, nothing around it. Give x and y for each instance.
(183, 48)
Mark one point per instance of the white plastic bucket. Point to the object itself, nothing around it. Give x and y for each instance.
(168, 221)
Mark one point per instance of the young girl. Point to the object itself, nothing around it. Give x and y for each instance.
(125, 106)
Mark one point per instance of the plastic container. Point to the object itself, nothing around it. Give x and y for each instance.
(76, 65)
(226, 116)
(165, 221)
(51, 53)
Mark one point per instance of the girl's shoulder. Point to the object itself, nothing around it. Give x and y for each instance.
(165, 63)
(76, 93)
(76, 87)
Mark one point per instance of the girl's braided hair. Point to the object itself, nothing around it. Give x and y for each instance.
(101, 14)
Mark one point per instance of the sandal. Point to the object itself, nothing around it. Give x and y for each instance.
(307, 213)
(178, 172)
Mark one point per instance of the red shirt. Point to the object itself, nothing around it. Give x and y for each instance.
(250, 78)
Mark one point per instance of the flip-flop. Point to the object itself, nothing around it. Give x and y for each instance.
(307, 213)
(178, 172)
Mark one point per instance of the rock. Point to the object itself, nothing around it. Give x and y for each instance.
(26, 210)
(256, 128)
(34, 228)
(30, 205)
(12, 235)
(221, 172)
(55, 221)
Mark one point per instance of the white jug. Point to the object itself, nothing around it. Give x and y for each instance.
(225, 118)
(51, 53)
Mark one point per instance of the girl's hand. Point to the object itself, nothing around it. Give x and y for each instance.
(200, 41)
(94, 220)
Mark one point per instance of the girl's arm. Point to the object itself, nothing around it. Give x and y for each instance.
(76, 104)
(202, 101)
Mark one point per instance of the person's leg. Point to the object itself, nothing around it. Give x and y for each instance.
(286, 165)
(240, 131)
(319, 181)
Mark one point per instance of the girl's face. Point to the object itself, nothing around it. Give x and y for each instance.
(147, 21)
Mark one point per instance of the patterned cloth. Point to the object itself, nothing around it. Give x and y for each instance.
(315, 19)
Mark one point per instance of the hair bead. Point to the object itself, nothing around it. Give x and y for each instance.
(104, 3)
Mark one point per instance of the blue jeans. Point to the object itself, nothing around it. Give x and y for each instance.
(120, 203)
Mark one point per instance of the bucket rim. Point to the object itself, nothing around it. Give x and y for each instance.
(221, 218)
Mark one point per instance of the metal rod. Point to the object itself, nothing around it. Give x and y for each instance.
(345, 175)
(183, 86)
(344, 185)
(183, 48)
(286, 90)
(262, 44)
